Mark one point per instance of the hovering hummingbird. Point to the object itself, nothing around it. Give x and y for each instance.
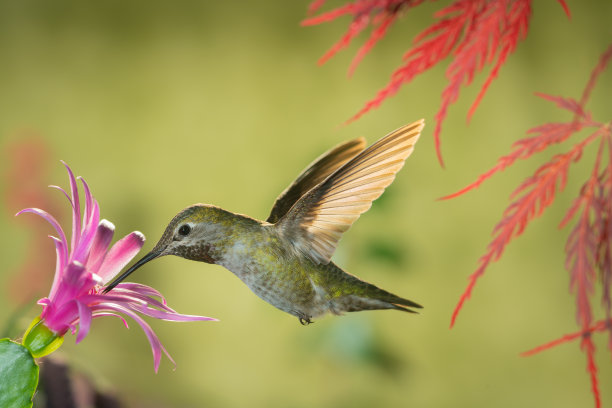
(285, 260)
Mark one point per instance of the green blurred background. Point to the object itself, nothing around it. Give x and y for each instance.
(163, 104)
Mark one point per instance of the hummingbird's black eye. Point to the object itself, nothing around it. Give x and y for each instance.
(184, 230)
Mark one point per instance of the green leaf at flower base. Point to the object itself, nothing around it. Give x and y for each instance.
(18, 375)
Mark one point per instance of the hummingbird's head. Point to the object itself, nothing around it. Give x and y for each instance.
(191, 234)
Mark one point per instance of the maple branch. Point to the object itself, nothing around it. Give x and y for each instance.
(538, 192)
(581, 244)
(599, 68)
(566, 338)
(357, 26)
(377, 35)
(586, 345)
(515, 30)
(604, 250)
(589, 348)
(548, 134)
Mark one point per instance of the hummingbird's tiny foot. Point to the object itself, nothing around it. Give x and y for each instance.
(305, 321)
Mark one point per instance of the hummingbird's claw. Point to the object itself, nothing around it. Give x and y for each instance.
(305, 321)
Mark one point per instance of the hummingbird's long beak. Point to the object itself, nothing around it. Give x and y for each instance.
(148, 257)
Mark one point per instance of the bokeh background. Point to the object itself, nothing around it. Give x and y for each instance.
(163, 104)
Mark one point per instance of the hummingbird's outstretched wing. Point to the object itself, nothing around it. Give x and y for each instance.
(315, 223)
(315, 173)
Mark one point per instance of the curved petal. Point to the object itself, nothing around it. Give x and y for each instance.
(75, 281)
(140, 288)
(60, 263)
(142, 298)
(63, 191)
(50, 219)
(61, 316)
(102, 314)
(156, 345)
(44, 301)
(92, 211)
(100, 299)
(88, 234)
(46, 304)
(88, 204)
(142, 304)
(99, 246)
(120, 254)
(84, 320)
(174, 317)
(76, 209)
(91, 218)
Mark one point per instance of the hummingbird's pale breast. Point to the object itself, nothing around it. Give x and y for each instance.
(274, 272)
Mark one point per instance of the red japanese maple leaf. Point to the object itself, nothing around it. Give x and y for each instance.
(589, 243)
(475, 33)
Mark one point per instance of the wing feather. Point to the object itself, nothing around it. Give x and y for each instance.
(314, 174)
(315, 222)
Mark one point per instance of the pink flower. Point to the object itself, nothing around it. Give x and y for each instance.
(83, 270)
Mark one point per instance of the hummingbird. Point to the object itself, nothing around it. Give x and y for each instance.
(286, 260)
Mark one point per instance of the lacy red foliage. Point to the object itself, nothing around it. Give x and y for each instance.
(476, 33)
(589, 244)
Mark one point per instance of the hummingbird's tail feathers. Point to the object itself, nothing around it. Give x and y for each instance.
(356, 303)
(351, 294)
(316, 222)
(397, 302)
(406, 304)
(404, 309)
(365, 296)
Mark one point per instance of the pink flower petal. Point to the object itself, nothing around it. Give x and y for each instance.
(140, 288)
(101, 299)
(88, 204)
(74, 282)
(142, 298)
(133, 300)
(99, 247)
(44, 302)
(65, 193)
(60, 263)
(84, 320)
(143, 304)
(51, 220)
(61, 316)
(91, 220)
(119, 255)
(156, 346)
(174, 317)
(61, 251)
(76, 209)
(101, 314)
